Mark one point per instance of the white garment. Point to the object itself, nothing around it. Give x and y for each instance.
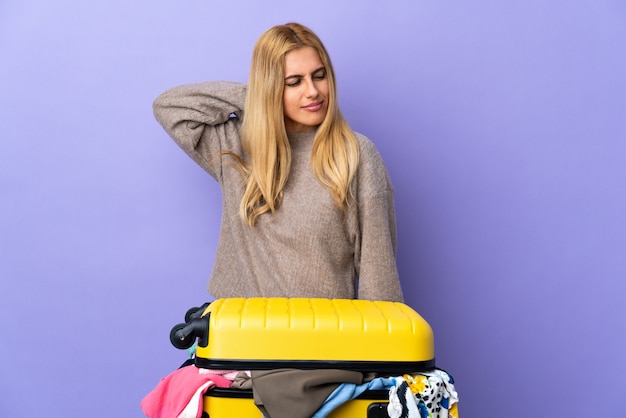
(194, 407)
(402, 402)
(430, 395)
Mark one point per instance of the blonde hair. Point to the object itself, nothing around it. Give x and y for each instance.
(335, 153)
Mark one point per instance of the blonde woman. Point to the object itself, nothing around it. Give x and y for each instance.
(307, 203)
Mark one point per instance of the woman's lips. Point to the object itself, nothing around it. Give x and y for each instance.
(313, 107)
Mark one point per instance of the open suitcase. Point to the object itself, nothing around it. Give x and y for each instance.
(386, 338)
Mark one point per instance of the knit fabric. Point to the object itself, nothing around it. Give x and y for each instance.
(307, 248)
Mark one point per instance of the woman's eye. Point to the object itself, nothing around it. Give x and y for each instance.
(293, 82)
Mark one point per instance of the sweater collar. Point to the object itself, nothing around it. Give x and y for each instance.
(301, 140)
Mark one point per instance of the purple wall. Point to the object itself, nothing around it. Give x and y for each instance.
(503, 125)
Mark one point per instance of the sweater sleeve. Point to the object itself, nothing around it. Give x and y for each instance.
(204, 120)
(376, 248)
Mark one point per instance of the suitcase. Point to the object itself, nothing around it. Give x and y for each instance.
(223, 403)
(387, 338)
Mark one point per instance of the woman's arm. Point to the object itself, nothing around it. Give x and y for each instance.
(376, 252)
(378, 273)
(203, 119)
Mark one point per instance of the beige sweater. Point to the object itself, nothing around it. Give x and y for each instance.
(306, 249)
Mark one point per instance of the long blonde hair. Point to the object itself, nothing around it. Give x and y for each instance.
(335, 154)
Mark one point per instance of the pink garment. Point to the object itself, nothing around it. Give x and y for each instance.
(173, 393)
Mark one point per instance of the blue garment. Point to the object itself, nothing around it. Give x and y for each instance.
(348, 391)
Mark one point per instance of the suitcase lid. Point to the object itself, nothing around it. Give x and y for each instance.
(268, 333)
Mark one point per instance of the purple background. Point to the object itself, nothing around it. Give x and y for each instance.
(503, 125)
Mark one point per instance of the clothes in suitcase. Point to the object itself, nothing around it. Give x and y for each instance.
(386, 340)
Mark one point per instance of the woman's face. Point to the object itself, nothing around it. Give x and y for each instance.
(305, 99)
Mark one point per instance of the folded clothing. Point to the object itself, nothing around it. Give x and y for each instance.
(174, 392)
(291, 393)
(424, 395)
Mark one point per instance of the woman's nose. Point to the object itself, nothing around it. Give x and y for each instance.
(311, 89)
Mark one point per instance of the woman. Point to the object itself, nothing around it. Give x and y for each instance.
(307, 203)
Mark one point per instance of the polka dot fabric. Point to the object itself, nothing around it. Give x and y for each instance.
(424, 395)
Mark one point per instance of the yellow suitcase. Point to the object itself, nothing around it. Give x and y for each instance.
(388, 338)
(230, 403)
